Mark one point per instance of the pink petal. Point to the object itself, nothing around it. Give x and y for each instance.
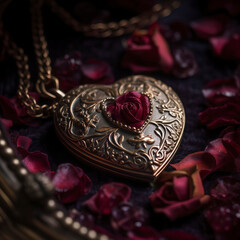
(37, 162)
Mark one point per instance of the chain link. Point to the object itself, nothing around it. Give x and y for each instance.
(114, 29)
(47, 85)
(33, 109)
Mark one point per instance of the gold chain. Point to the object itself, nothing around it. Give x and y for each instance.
(113, 29)
(47, 85)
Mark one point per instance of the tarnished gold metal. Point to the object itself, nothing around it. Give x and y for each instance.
(82, 126)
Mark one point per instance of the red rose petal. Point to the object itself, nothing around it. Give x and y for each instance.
(205, 162)
(7, 123)
(23, 142)
(227, 47)
(221, 91)
(221, 116)
(37, 162)
(224, 161)
(210, 26)
(166, 59)
(108, 196)
(13, 110)
(70, 183)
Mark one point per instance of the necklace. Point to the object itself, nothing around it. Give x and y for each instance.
(131, 128)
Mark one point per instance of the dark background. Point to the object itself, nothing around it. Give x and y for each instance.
(61, 40)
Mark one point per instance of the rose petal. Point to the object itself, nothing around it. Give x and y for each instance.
(13, 110)
(23, 142)
(108, 196)
(220, 116)
(37, 162)
(181, 209)
(221, 91)
(7, 123)
(210, 26)
(224, 161)
(227, 47)
(205, 162)
(70, 183)
(166, 59)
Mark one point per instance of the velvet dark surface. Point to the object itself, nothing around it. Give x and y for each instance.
(62, 40)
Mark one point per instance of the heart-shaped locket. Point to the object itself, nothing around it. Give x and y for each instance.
(131, 128)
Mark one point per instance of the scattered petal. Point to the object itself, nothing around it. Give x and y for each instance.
(210, 26)
(70, 183)
(221, 116)
(12, 109)
(7, 123)
(126, 217)
(37, 162)
(108, 196)
(226, 47)
(180, 193)
(220, 91)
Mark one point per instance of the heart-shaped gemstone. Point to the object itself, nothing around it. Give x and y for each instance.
(131, 128)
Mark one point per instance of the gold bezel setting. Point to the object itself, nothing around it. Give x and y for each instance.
(125, 126)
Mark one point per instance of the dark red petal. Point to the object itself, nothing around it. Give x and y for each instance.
(7, 123)
(141, 54)
(224, 161)
(23, 142)
(94, 68)
(70, 183)
(210, 26)
(221, 116)
(205, 162)
(165, 56)
(218, 44)
(180, 209)
(227, 47)
(221, 91)
(108, 196)
(37, 162)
